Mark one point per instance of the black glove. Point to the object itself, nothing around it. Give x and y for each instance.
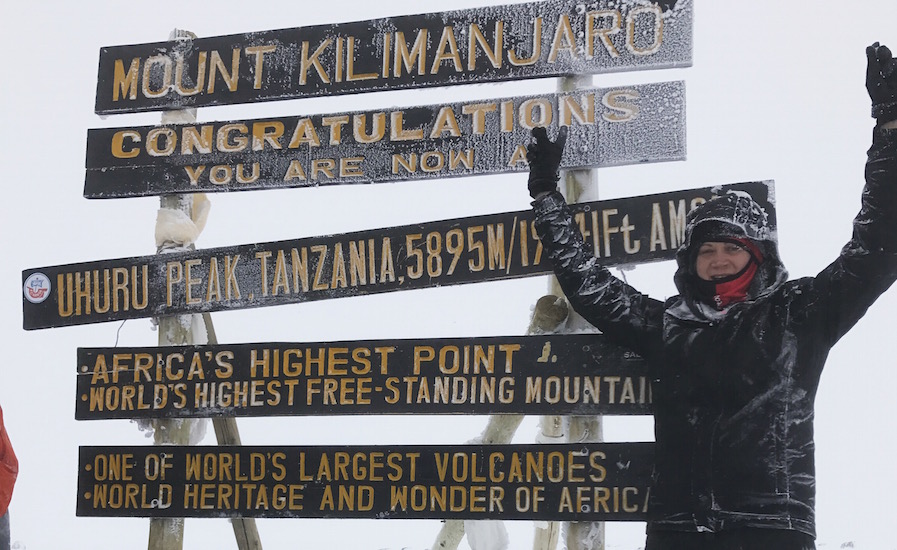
(544, 157)
(881, 82)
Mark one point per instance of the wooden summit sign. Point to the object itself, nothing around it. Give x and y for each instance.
(464, 250)
(572, 482)
(489, 44)
(553, 374)
(608, 127)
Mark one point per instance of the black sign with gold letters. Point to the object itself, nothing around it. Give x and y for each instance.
(608, 127)
(489, 44)
(464, 250)
(573, 482)
(577, 374)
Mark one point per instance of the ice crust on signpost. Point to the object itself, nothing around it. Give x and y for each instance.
(488, 44)
(611, 126)
(478, 249)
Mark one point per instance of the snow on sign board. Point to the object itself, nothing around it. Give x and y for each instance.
(608, 127)
(569, 482)
(489, 44)
(463, 250)
(552, 374)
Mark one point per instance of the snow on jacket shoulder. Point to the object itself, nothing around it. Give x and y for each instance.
(734, 389)
(9, 468)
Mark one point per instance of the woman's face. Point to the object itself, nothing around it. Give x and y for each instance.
(717, 260)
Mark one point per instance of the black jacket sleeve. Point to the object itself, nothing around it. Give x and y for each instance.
(626, 316)
(867, 265)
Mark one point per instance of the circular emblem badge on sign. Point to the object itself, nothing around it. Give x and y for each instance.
(36, 288)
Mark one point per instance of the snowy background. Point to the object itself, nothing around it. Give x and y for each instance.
(776, 92)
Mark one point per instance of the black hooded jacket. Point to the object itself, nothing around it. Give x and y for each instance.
(734, 389)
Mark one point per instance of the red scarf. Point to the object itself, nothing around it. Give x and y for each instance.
(735, 290)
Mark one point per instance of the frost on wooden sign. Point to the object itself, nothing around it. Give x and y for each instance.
(488, 44)
(552, 374)
(608, 127)
(570, 482)
(464, 250)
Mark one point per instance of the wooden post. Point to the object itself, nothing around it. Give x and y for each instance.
(549, 317)
(226, 432)
(176, 330)
(581, 429)
(547, 533)
(548, 314)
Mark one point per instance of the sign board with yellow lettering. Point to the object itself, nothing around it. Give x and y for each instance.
(578, 374)
(608, 127)
(489, 44)
(464, 250)
(574, 482)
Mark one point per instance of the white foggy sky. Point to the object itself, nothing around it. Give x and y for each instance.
(776, 92)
